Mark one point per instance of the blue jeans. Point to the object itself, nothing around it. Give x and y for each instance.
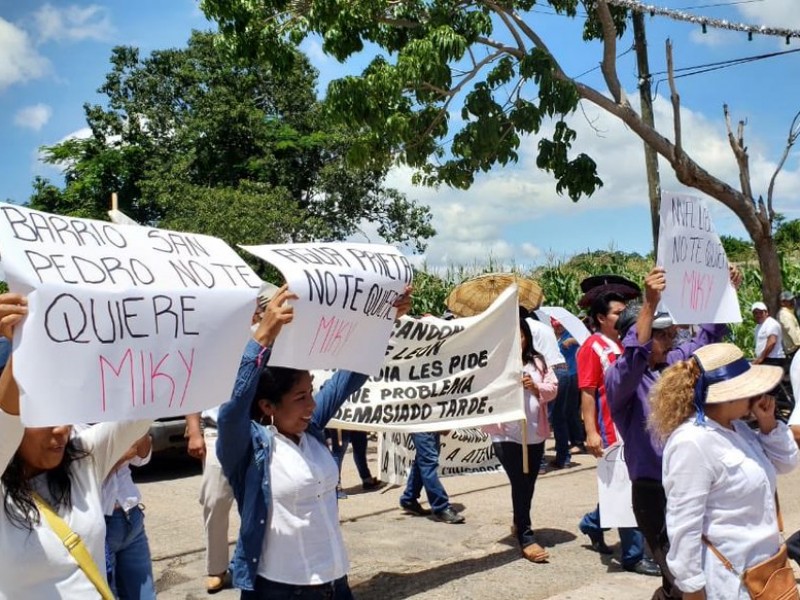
(631, 539)
(273, 590)
(129, 567)
(559, 416)
(424, 472)
(359, 441)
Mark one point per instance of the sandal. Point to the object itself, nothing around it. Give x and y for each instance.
(535, 553)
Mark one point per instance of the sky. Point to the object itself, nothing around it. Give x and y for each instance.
(54, 55)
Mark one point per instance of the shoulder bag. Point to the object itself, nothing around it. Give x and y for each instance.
(75, 546)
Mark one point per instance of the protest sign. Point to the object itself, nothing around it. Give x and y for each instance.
(461, 452)
(696, 267)
(344, 311)
(614, 489)
(444, 375)
(124, 322)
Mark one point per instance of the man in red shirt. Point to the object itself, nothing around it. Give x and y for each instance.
(595, 356)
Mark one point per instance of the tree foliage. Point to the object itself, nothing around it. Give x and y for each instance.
(197, 139)
(455, 86)
(446, 98)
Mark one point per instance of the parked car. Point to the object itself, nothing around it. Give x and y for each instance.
(168, 434)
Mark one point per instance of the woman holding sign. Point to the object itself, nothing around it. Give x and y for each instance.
(539, 384)
(51, 490)
(272, 449)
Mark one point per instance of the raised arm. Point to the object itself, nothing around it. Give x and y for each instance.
(233, 423)
(13, 308)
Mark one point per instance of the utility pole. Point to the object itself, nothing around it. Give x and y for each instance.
(646, 98)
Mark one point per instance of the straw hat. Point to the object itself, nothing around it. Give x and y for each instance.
(757, 380)
(476, 295)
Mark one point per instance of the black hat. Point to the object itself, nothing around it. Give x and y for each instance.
(595, 286)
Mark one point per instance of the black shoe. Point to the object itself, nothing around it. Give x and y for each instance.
(448, 515)
(415, 508)
(373, 483)
(598, 544)
(646, 566)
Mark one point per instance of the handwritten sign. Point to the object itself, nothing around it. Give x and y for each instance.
(444, 375)
(461, 452)
(698, 282)
(345, 308)
(125, 322)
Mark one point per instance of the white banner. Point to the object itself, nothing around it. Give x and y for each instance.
(698, 282)
(441, 375)
(461, 452)
(345, 310)
(124, 322)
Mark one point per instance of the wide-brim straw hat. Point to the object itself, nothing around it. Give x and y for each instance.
(474, 296)
(757, 380)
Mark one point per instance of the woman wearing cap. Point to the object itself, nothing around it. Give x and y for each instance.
(719, 475)
(272, 450)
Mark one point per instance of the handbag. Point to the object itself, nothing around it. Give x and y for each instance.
(771, 579)
(75, 546)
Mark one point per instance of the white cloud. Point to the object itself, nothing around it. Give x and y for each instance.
(484, 220)
(33, 117)
(73, 23)
(19, 60)
(775, 13)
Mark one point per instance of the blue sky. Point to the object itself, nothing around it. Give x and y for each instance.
(54, 55)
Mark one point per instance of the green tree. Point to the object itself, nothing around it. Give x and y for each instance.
(486, 61)
(197, 139)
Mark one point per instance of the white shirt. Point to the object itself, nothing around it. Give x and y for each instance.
(511, 431)
(36, 564)
(119, 489)
(769, 327)
(721, 483)
(545, 342)
(303, 544)
(794, 375)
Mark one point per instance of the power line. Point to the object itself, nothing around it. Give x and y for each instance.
(706, 22)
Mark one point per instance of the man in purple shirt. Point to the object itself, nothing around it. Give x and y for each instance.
(647, 339)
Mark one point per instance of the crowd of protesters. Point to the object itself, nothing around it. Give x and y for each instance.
(701, 439)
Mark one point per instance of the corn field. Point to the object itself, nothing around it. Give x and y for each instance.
(560, 281)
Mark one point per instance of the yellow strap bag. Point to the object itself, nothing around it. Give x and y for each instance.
(75, 546)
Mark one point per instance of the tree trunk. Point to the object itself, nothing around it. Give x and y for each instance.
(768, 261)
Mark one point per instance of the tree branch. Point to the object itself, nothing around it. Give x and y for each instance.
(502, 47)
(740, 152)
(609, 64)
(794, 133)
(676, 104)
(509, 25)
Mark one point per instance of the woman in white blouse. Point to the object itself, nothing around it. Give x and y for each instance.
(719, 474)
(67, 472)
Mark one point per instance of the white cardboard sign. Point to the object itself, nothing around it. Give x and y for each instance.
(461, 452)
(698, 282)
(441, 375)
(344, 311)
(614, 489)
(124, 322)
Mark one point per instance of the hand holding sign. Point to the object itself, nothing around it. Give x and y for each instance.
(654, 285)
(13, 308)
(277, 314)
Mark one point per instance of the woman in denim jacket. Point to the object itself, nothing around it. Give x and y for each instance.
(271, 447)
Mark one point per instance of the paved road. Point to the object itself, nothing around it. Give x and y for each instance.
(395, 556)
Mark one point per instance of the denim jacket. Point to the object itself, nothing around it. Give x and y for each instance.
(244, 449)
